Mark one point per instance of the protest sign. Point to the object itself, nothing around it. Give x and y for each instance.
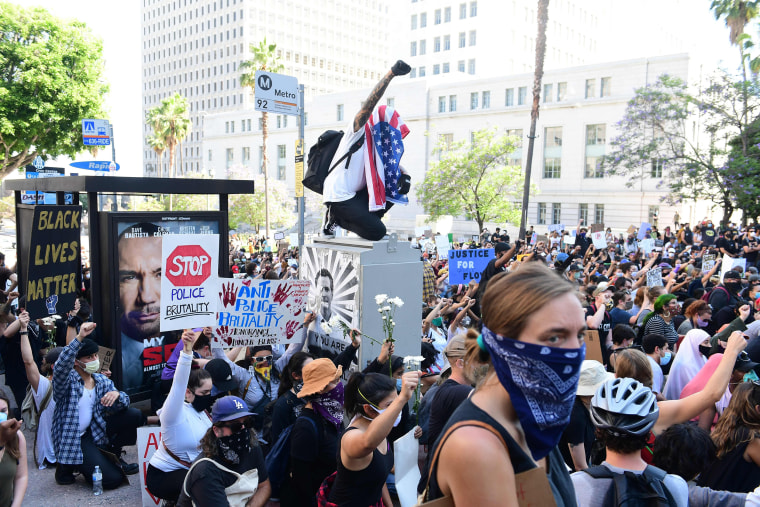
(189, 280)
(631, 229)
(533, 238)
(466, 265)
(598, 239)
(646, 245)
(259, 312)
(593, 346)
(148, 440)
(105, 355)
(708, 262)
(407, 471)
(443, 245)
(597, 227)
(654, 277)
(728, 263)
(556, 227)
(645, 226)
(53, 262)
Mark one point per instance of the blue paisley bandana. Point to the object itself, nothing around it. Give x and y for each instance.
(541, 381)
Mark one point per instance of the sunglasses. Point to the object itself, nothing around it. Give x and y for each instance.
(632, 347)
(196, 329)
(261, 359)
(235, 426)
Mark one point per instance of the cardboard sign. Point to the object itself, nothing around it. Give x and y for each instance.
(148, 440)
(556, 227)
(466, 265)
(593, 345)
(654, 277)
(259, 312)
(533, 489)
(729, 263)
(645, 226)
(598, 239)
(443, 245)
(708, 262)
(189, 280)
(54, 260)
(597, 227)
(631, 229)
(105, 355)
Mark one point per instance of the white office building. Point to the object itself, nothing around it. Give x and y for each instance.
(194, 47)
(579, 110)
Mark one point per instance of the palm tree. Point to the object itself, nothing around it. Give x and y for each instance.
(175, 121)
(538, 74)
(157, 144)
(264, 58)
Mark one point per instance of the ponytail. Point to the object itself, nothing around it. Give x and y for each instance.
(363, 388)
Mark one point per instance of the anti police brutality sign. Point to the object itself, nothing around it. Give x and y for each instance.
(188, 280)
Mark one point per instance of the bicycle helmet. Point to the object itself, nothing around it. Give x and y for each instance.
(624, 406)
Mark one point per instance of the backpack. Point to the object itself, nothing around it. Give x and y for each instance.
(278, 459)
(320, 158)
(29, 411)
(706, 295)
(629, 489)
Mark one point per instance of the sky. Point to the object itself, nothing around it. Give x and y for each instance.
(636, 28)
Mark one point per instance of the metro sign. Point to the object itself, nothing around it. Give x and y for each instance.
(188, 266)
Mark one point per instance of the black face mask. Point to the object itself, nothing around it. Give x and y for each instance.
(233, 447)
(733, 286)
(201, 403)
(705, 350)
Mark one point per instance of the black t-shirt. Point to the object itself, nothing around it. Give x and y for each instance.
(488, 273)
(708, 236)
(750, 256)
(206, 482)
(449, 396)
(727, 244)
(603, 329)
(579, 431)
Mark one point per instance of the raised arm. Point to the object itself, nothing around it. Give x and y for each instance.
(32, 372)
(297, 344)
(399, 69)
(171, 412)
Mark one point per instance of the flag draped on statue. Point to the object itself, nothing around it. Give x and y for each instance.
(384, 134)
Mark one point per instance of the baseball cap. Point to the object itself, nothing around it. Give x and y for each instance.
(501, 247)
(744, 363)
(229, 408)
(732, 275)
(221, 375)
(664, 265)
(604, 286)
(456, 347)
(575, 267)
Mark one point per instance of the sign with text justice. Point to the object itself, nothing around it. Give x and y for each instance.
(259, 312)
(53, 262)
(466, 265)
(189, 280)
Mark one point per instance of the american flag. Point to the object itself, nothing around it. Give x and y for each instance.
(384, 134)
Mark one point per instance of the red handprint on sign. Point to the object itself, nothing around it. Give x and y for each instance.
(228, 294)
(225, 334)
(291, 327)
(283, 292)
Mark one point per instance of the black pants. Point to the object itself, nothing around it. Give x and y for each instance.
(121, 428)
(165, 485)
(354, 215)
(91, 457)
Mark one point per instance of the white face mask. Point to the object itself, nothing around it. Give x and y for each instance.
(380, 411)
(91, 367)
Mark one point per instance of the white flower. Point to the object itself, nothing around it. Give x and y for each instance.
(55, 317)
(381, 298)
(334, 321)
(413, 362)
(397, 301)
(386, 308)
(47, 321)
(326, 327)
(384, 317)
(379, 310)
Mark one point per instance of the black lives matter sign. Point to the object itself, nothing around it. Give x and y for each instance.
(53, 261)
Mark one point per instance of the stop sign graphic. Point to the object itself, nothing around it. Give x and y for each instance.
(188, 266)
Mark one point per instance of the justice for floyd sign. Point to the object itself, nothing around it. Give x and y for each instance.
(54, 260)
(189, 281)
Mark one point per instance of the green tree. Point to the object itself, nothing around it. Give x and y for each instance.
(747, 187)
(264, 58)
(474, 179)
(50, 79)
(171, 124)
(250, 208)
(538, 74)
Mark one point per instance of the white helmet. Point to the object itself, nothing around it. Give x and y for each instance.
(624, 406)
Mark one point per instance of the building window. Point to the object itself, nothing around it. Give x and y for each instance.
(657, 165)
(548, 92)
(246, 155)
(442, 104)
(422, 71)
(413, 74)
(447, 15)
(414, 26)
(654, 212)
(599, 214)
(561, 91)
(522, 95)
(230, 157)
(226, 127)
(452, 103)
(340, 112)
(437, 45)
(606, 87)
(413, 48)
(460, 65)
(281, 161)
(209, 155)
(446, 68)
(515, 158)
(583, 213)
(474, 100)
(590, 88)
(552, 152)
(446, 42)
(444, 144)
(486, 100)
(541, 213)
(473, 37)
(436, 69)
(279, 121)
(473, 9)
(595, 146)
(423, 47)
(556, 213)
(423, 20)
(509, 97)
(437, 18)
(462, 11)
(462, 39)
(471, 66)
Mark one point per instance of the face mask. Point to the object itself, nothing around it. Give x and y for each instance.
(466, 321)
(733, 286)
(91, 367)
(629, 305)
(750, 376)
(705, 350)
(541, 382)
(330, 405)
(702, 323)
(201, 403)
(235, 445)
(634, 274)
(666, 358)
(608, 304)
(264, 371)
(577, 275)
(380, 411)
(3, 416)
(438, 321)
(399, 384)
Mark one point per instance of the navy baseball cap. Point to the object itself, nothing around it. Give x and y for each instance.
(229, 408)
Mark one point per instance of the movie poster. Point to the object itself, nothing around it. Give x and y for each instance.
(334, 292)
(142, 347)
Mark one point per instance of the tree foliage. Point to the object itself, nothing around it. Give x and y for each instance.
(249, 208)
(474, 180)
(50, 80)
(171, 124)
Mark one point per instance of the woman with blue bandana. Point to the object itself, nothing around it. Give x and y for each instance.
(532, 343)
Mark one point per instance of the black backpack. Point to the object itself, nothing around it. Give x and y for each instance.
(321, 155)
(629, 489)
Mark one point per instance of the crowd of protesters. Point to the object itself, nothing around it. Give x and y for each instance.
(508, 386)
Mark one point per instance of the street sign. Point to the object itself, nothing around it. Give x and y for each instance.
(95, 132)
(96, 165)
(299, 167)
(32, 171)
(38, 163)
(276, 93)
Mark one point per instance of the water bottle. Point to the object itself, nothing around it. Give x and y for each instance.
(97, 481)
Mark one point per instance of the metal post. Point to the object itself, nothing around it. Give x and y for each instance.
(301, 200)
(115, 206)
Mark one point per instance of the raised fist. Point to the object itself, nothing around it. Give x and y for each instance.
(401, 68)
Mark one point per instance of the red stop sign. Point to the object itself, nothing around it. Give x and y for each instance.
(188, 266)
